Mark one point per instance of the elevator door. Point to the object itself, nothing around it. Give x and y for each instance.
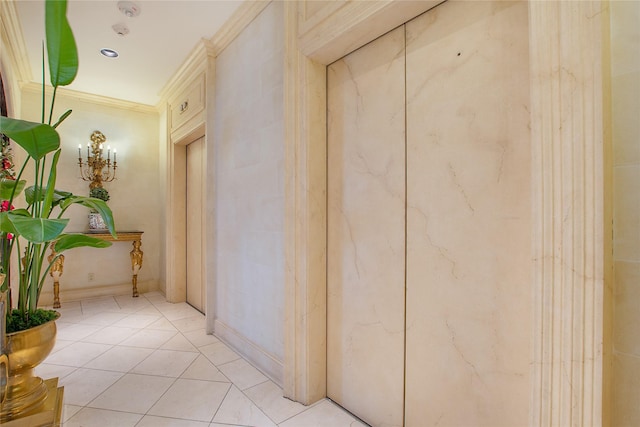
(195, 203)
(428, 221)
(366, 231)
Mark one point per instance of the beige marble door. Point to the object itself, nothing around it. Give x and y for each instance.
(468, 216)
(195, 200)
(366, 231)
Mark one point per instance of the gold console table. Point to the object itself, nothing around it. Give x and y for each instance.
(136, 255)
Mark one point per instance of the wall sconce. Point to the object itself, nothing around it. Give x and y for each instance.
(93, 170)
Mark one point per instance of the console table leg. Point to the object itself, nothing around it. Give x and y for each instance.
(56, 271)
(136, 264)
(56, 294)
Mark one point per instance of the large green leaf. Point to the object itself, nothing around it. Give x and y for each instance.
(37, 139)
(37, 230)
(61, 45)
(6, 226)
(7, 187)
(70, 241)
(58, 195)
(96, 204)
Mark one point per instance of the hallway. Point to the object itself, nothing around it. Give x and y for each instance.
(144, 362)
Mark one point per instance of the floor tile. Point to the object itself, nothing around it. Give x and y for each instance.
(192, 323)
(149, 310)
(166, 363)
(203, 369)
(129, 304)
(181, 312)
(200, 337)
(169, 373)
(104, 318)
(269, 397)
(110, 335)
(99, 304)
(179, 342)
(242, 374)
(238, 409)
(218, 353)
(133, 393)
(148, 338)
(162, 324)
(45, 370)
(191, 399)
(76, 331)
(153, 421)
(120, 359)
(154, 297)
(137, 320)
(69, 411)
(323, 414)
(77, 354)
(89, 417)
(60, 344)
(84, 385)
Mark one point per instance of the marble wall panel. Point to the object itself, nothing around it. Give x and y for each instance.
(468, 216)
(366, 228)
(249, 189)
(625, 103)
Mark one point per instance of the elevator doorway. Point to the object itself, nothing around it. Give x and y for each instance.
(195, 199)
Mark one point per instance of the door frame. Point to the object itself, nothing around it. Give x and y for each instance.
(568, 63)
(201, 61)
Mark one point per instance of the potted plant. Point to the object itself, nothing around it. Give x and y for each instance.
(31, 230)
(95, 219)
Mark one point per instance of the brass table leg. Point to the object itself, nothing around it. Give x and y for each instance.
(136, 264)
(56, 271)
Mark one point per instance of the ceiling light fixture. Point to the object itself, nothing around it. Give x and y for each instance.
(129, 8)
(109, 53)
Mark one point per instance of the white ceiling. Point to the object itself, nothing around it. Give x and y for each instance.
(159, 40)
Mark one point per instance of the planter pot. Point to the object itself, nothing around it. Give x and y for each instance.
(96, 223)
(26, 393)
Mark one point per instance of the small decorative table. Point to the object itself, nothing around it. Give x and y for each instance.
(136, 255)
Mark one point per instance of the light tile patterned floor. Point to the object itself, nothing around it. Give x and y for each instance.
(143, 362)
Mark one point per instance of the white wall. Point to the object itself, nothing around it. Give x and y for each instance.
(135, 194)
(249, 188)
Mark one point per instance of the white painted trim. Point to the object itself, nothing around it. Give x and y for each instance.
(305, 220)
(91, 98)
(11, 34)
(567, 138)
(270, 365)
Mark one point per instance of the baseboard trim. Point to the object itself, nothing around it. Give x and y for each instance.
(259, 357)
(70, 295)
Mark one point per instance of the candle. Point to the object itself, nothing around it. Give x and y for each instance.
(79, 150)
(88, 154)
(108, 153)
(114, 155)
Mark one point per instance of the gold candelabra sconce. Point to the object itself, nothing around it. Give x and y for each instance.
(97, 169)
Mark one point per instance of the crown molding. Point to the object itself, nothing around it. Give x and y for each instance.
(243, 16)
(196, 62)
(13, 41)
(94, 99)
(210, 48)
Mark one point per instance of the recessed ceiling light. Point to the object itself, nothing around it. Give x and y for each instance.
(109, 53)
